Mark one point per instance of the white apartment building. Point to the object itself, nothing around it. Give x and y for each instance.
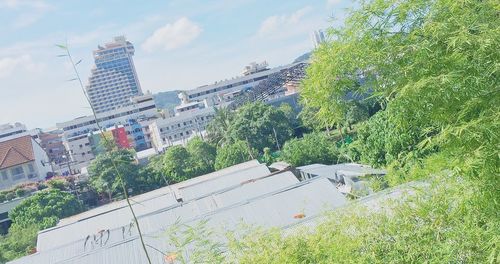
(10, 131)
(113, 79)
(135, 118)
(22, 159)
(189, 121)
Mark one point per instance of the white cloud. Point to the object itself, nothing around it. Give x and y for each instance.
(173, 35)
(9, 65)
(279, 23)
(331, 3)
(32, 11)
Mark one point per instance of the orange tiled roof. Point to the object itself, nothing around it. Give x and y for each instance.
(16, 151)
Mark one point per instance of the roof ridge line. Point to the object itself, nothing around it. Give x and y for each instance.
(5, 156)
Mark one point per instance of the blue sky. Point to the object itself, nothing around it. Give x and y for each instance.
(180, 44)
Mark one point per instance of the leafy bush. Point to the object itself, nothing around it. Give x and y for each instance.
(10, 196)
(41, 186)
(45, 208)
(104, 177)
(312, 148)
(20, 192)
(58, 183)
(20, 241)
(260, 125)
(232, 154)
(2, 197)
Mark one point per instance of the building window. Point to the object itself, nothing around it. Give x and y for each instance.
(17, 173)
(30, 168)
(5, 176)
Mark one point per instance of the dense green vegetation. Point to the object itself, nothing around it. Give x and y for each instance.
(431, 69)
(103, 176)
(40, 211)
(414, 84)
(312, 148)
(234, 153)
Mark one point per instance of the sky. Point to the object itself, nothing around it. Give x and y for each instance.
(180, 44)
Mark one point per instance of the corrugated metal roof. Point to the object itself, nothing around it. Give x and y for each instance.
(61, 235)
(182, 212)
(209, 186)
(330, 171)
(380, 201)
(310, 166)
(274, 209)
(157, 192)
(118, 214)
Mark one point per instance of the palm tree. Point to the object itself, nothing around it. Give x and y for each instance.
(218, 128)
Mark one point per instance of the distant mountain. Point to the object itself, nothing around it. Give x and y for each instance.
(302, 57)
(167, 100)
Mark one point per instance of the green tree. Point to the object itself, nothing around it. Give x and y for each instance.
(45, 208)
(103, 175)
(267, 156)
(20, 241)
(312, 148)
(261, 125)
(355, 113)
(218, 127)
(58, 183)
(202, 155)
(232, 154)
(177, 164)
(290, 114)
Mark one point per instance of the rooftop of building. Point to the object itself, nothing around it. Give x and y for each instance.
(16, 151)
(237, 79)
(246, 194)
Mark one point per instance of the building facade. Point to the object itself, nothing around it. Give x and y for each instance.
(22, 160)
(189, 121)
(222, 91)
(52, 142)
(10, 131)
(113, 80)
(134, 118)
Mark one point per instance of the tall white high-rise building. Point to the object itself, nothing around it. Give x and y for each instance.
(317, 37)
(114, 79)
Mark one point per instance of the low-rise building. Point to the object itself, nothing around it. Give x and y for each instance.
(10, 131)
(135, 120)
(22, 159)
(52, 142)
(189, 121)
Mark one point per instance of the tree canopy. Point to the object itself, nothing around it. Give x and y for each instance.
(312, 148)
(234, 153)
(202, 155)
(260, 125)
(45, 208)
(103, 174)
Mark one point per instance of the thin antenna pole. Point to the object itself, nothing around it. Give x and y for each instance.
(101, 131)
